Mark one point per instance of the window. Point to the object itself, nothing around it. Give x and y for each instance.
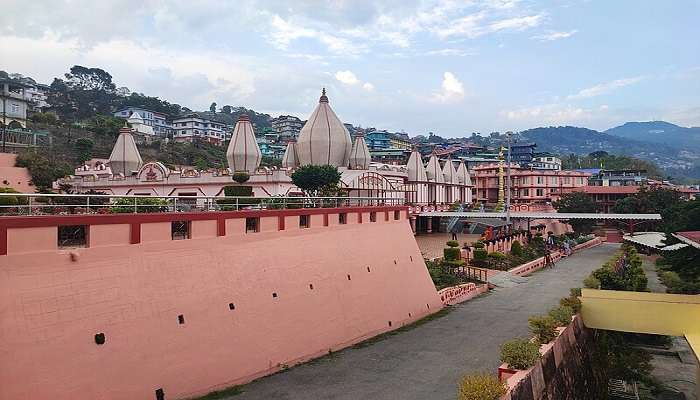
(304, 221)
(397, 215)
(540, 192)
(343, 218)
(252, 225)
(73, 236)
(373, 216)
(540, 180)
(14, 107)
(180, 230)
(553, 180)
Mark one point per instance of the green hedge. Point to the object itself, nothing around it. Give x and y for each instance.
(451, 253)
(562, 315)
(480, 387)
(543, 327)
(520, 353)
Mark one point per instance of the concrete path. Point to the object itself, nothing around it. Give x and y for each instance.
(427, 361)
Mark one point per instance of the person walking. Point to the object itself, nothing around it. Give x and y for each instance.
(548, 262)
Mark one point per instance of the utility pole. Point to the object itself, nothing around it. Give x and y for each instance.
(509, 134)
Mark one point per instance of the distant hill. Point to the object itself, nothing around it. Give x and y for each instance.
(660, 132)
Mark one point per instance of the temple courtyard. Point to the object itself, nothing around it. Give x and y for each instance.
(427, 360)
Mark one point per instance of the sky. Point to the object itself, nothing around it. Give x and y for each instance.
(442, 66)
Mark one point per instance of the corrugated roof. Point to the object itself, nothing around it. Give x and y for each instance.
(653, 239)
(545, 215)
(690, 237)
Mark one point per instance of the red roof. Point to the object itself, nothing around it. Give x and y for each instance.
(609, 189)
(691, 235)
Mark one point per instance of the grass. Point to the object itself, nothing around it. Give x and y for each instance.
(222, 394)
(445, 310)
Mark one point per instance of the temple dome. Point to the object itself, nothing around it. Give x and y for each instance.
(359, 155)
(324, 140)
(463, 174)
(243, 153)
(449, 172)
(290, 159)
(415, 168)
(125, 157)
(433, 170)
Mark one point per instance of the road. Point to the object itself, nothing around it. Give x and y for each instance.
(426, 362)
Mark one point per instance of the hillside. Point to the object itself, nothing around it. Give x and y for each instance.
(660, 132)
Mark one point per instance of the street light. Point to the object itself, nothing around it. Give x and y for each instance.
(509, 134)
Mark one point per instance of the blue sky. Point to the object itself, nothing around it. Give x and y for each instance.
(451, 67)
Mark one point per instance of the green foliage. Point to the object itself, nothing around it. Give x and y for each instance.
(10, 200)
(577, 202)
(543, 327)
(105, 125)
(145, 205)
(317, 180)
(150, 103)
(562, 315)
(479, 244)
(44, 167)
(520, 353)
(240, 176)
(591, 282)
(245, 194)
(44, 118)
(233, 191)
(451, 253)
(440, 275)
(516, 249)
(453, 243)
(480, 387)
(84, 148)
(572, 301)
(630, 278)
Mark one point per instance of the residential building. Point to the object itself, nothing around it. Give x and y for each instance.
(378, 140)
(527, 185)
(522, 153)
(390, 156)
(36, 96)
(159, 121)
(193, 127)
(287, 126)
(546, 162)
(619, 177)
(399, 142)
(13, 104)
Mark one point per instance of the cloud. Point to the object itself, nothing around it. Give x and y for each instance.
(550, 113)
(347, 77)
(452, 90)
(450, 52)
(552, 36)
(604, 88)
(368, 86)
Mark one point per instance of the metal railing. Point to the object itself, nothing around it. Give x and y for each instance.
(58, 204)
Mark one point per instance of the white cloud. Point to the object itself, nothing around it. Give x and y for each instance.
(450, 52)
(604, 88)
(549, 113)
(552, 36)
(347, 77)
(368, 86)
(452, 90)
(517, 24)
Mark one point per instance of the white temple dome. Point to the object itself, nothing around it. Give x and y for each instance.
(290, 159)
(243, 152)
(360, 157)
(324, 140)
(433, 170)
(463, 174)
(415, 168)
(125, 157)
(449, 172)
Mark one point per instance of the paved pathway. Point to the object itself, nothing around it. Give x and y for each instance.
(427, 361)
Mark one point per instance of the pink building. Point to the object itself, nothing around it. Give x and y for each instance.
(137, 306)
(527, 185)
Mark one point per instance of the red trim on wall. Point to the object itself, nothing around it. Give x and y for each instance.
(135, 233)
(221, 226)
(108, 219)
(280, 223)
(3, 240)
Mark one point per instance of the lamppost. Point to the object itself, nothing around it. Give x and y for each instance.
(509, 134)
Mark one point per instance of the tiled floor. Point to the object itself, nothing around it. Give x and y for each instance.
(432, 244)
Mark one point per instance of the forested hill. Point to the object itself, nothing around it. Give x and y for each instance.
(660, 132)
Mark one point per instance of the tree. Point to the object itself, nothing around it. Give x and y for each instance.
(212, 107)
(84, 148)
(226, 109)
(316, 180)
(82, 78)
(44, 168)
(577, 202)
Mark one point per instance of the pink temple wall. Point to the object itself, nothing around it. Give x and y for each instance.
(14, 177)
(55, 301)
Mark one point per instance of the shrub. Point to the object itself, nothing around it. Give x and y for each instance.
(562, 315)
(453, 243)
(478, 244)
(520, 353)
(670, 279)
(543, 327)
(516, 249)
(145, 205)
(240, 176)
(591, 282)
(480, 387)
(451, 253)
(440, 277)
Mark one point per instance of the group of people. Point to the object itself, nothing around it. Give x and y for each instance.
(566, 248)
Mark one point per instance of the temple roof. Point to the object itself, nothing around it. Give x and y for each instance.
(243, 153)
(463, 176)
(414, 167)
(359, 155)
(324, 140)
(125, 157)
(290, 159)
(433, 170)
(449, 172)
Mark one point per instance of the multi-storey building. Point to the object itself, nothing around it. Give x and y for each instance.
(193, 127)
(546, 162)
(527, 185)
(378, 140)
(13, 104)
(619, 177)
(36, 96)
(159, 121)
(522, 153)
(400, 142)
(287, 126)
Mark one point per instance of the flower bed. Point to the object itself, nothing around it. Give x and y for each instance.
(460, 293)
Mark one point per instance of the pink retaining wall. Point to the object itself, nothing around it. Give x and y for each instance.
(251, 304)
(537, 264)
(460, 293)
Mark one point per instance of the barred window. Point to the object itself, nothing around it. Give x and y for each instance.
(180, 230)
(73, 236)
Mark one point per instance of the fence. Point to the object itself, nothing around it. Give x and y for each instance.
(51, 204)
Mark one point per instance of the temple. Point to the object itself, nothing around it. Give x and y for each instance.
(323, 140)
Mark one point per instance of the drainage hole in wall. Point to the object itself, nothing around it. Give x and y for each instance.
(428, 305)
(231, 306)
(368, 270)
(311, 286)
(100, 338)
(411, 257)
(274, 294)
(181, 319)
(394, 262)
(409, 315)
(389, 323)
(349, 277)
(160, 394)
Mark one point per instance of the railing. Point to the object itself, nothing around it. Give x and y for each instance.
(51, 204)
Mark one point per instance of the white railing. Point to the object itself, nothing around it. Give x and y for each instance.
(51, 204)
